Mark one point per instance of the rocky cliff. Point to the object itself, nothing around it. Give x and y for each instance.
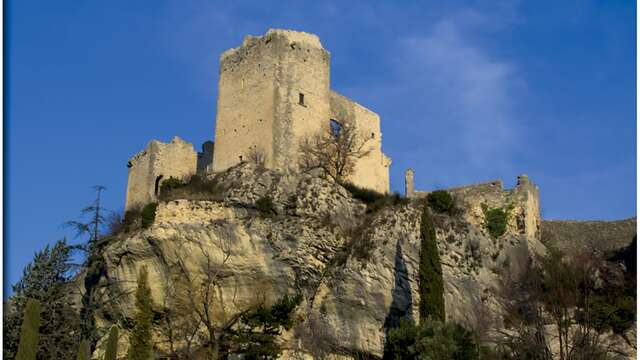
(356, 269)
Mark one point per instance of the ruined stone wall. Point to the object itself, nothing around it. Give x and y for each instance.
(371, 171)
(205, 158)
(523, 201)
(158, 161)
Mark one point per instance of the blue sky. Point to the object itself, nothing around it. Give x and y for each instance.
(467, 92)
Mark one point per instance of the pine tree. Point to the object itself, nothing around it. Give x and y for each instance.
(30, 331)
(91, 229)
(111, 352)
(257, 332)
(431, 284)
(140, 346)
(84, 351)
(46, 279)
(96, 222)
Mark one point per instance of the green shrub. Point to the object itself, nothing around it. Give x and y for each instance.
(373, 199)
(130, 218)
(430, 340)
(440, 201)
(148, 215)
(496, 219)
(265, 206)
(367, 196)
(29, 334)
(400, 341)
(430, 272)
(171, 183)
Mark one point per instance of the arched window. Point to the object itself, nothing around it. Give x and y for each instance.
(336, 128)
(158, 180)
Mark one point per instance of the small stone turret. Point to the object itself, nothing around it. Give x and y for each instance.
(408, 183)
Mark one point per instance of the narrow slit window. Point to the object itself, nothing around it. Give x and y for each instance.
(301, 98)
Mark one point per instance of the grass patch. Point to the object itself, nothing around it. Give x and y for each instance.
(196, 188)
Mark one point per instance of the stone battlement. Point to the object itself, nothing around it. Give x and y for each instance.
(277, 36)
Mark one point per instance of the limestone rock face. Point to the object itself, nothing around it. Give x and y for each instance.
(357, 271)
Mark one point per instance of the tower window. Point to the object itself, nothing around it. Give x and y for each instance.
(301, 98)
(336, 128)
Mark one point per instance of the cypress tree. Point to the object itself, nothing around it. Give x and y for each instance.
(28, 346)
(140, 347)
(431, 284)
(111, 352)
(83, 351)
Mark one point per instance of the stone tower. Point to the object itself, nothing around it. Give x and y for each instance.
(273, 91)
(408, 183)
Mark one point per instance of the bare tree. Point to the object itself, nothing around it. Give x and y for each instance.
(525, 318)
(335, 150)
(560, 291)
(199, 311)
(180, 328)
(257, 156)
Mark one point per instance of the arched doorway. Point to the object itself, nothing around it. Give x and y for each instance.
(157, 189)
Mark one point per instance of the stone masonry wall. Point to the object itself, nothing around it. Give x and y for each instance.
(304, 70)
(158, 161)
(259, 105)
(523, 201)
(245, 109)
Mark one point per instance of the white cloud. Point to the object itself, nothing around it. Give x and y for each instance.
(449, 105)
(472, 86)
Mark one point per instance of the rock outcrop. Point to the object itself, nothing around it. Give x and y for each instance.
(357, 271)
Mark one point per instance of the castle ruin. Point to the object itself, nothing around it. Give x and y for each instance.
(524, 198)
(273, 92)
